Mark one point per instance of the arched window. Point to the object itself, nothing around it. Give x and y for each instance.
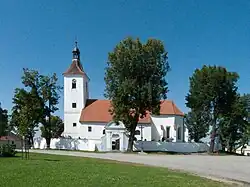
(137, 132)
(73, 84)
(103, 132)
(179, 133)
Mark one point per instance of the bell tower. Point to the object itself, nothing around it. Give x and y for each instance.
(76, 94)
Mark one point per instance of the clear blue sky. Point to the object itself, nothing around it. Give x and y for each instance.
(40, 35)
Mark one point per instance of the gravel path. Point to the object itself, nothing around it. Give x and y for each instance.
(220, 167)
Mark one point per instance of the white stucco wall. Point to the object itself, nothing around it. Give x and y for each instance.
(68, 144)
(166, 121)
(96, 132)
(179, 122)
(146, 131)
(78, 96)
(74, 95)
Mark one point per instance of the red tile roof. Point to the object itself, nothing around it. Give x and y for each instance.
(75, 69)
(98, 111)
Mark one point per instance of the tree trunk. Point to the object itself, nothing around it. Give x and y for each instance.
(211, 150)
(31, 142)
(241, 150)
(48, 139)
(131, 138)
(48, 142)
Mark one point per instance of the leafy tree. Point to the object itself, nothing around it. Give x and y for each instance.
(35, 104)
(57, 128)
(135, 81)
(47, 91)
(212, 91)
(3, 121)
(197, 125)
(245, 139)
(233, 125)
(26, 113)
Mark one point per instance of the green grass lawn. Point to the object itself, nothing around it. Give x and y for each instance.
(53, 170)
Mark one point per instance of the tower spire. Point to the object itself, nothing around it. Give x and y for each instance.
(76, 52)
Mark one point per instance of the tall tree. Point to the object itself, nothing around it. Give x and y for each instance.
(233, 125)
(135, 81)
(3, 121)
(245, 139)
(39, 100)
(26, 113)
(50, 97)
(56, 130)
(197, 125)
(47, 90)
(212, 90)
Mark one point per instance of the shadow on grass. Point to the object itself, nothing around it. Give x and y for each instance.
(16, 156)
(51, 160)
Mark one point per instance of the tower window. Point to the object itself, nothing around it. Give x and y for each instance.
(103, 132)
(74, 124)
(73, 105)
(89, 128)
(73, 84)
(86, 86)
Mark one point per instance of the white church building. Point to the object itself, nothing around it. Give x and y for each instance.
(89, 121)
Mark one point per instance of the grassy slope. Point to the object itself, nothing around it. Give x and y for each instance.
(53, 170)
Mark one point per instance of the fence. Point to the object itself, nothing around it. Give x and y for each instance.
(177, 147)
(66, 143)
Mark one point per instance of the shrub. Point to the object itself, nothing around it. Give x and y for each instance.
(7, 150)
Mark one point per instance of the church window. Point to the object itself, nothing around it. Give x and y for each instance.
(137, 132)
(73, 84)
(74, 124)
(86, 86)
(168, 132)
(89, 128)
(179, 133)
(103, 132)
(73, 105)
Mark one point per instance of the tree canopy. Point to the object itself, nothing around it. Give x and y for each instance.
(3, 121)
(212, 92)
(36, 103)
(56, 130)
(135, 81)
(197, 125)
(26, 112)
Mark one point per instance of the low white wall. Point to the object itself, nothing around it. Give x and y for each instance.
(246, 150)
(65, 143)
(177, 147)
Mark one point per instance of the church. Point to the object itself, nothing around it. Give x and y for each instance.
(89, 120)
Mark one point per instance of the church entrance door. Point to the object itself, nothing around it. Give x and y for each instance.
(115, 142)
(116, 145)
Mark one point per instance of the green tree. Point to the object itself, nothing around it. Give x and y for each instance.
(35, 104)
(26, 113)
(233, 125)
(50, 96)
(245, 139)
(212, 91)
(197, 125)
(135, 81)
(3, 121)
(47, 91)
(57, 128)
